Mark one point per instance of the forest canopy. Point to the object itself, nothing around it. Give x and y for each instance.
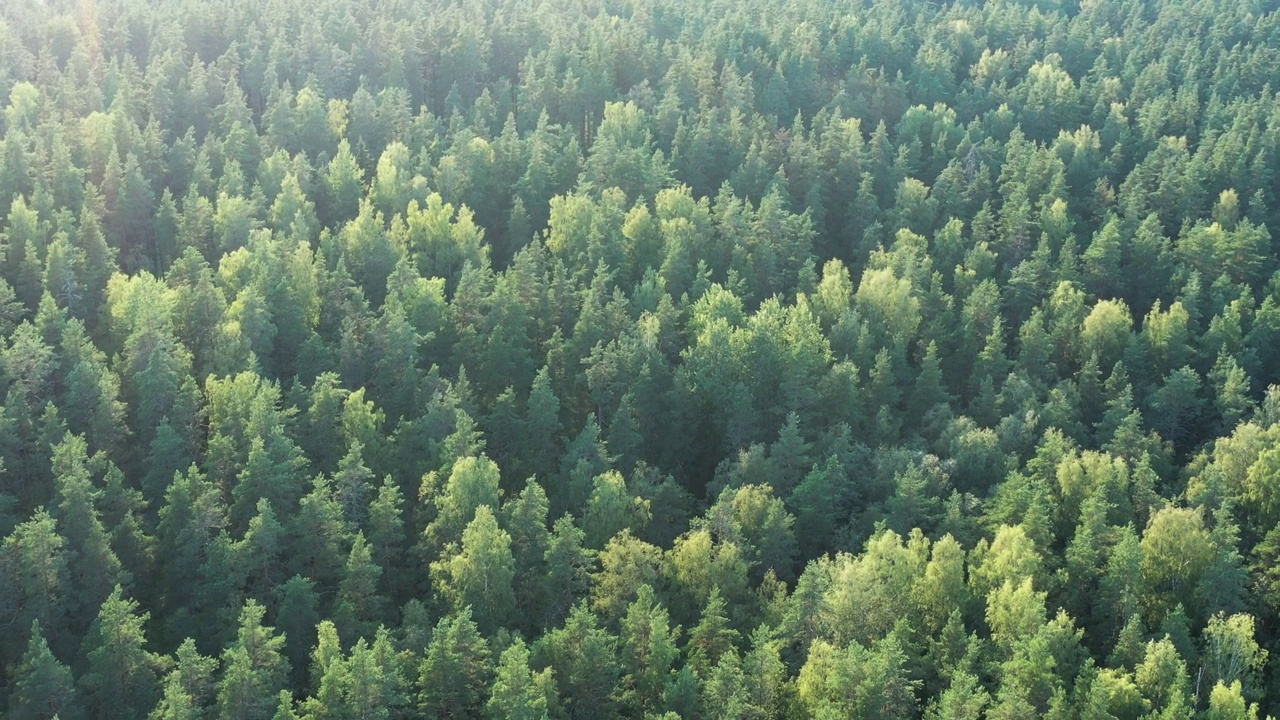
(639, 358)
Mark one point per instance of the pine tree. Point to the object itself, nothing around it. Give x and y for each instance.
(766, 674)
(712, 637)
(94, 568)
(342, 188)
(387, 533)
(359, 605)
(519, 693)
(569, 566)
(42, 686)
(373, 684)
(297, 614)
(189, 686)
(816, 505)
(585, 660)
(541, 431)
(650, 652)
(789, 456)
(37, 589)
(317, 535)
(455, 674)
(273, 471)
(253, 669)
(726, 687)
(121, 675)
(351, 483)
(1231, 399)
(259, 555)
(525, 518)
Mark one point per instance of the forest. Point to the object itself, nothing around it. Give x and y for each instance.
(652, 359)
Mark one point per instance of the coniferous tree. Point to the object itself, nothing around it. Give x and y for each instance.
(916, 359)
(43, 687)
(254, 669)
(519, 693)
(455, 674)
(121, 676)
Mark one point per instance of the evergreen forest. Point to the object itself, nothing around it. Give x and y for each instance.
(651, 359)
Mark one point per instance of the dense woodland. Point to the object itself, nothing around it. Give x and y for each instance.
(639, 358)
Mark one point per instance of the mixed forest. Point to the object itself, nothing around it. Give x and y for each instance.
(639, 358)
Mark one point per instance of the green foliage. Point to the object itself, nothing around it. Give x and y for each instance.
(480, 574)
(121, 675)
(253, 668)
(857, 682)
(472, 484)
(814, 359)
(455, 672)
(1231, 656)
(584, 658)
(189, 686)
(42, 686)
(518, 692)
